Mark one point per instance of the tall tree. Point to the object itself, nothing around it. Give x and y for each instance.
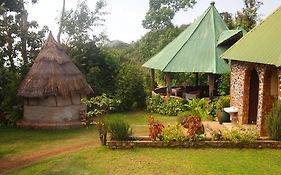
(77, 23)
(61, 21)
(228, 19)
(161, 13)
(249, 17)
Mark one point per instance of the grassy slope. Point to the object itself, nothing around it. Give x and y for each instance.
(160, 161)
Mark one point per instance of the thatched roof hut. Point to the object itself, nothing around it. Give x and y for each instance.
(53, 73)
(53, 89)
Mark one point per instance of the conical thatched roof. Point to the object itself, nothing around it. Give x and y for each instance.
(53, 73)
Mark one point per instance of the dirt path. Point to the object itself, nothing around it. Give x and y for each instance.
(7, 165)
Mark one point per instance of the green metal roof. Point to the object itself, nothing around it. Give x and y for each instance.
(195, 49)
(228, 34)
(261, 45)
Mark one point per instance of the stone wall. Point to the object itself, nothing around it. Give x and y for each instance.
(240, 90)
(259, 144)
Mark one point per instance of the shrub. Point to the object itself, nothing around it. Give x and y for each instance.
(119, 129)
(224, 85)
(155, 128)
(130, 88)
(222, 102)
(156, 104)
(173, 133)
(194, 126)
(98, 107)
(241, 134)
(273, 121)
(199, 107)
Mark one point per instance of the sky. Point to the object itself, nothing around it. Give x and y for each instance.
(124, 21)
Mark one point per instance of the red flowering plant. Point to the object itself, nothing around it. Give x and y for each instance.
(155, 128)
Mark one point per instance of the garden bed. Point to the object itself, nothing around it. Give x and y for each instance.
(144, 143)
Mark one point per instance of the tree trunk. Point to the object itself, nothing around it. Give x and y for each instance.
(61, 21)
(23, 34)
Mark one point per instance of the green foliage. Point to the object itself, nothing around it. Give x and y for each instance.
(273, 121)
(173, 133)
(99, 67)
(249, 17)
(236, 135)
(241, 134)
(119, 129)
(170, 107)
(161, 12)
(224, 85)
(100, 105)
(222, 102)
(199, 107)
(10, 103)
(130, 88)
(155, 128)
(77, 23)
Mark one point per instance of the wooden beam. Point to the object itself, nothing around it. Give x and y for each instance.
(211, 82)
(152, 74)
(168, 83)
(196, 79)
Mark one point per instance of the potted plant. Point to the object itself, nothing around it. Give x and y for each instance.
(221, 103)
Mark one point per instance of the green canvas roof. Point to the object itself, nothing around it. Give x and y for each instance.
(195, 49)
(261, 45)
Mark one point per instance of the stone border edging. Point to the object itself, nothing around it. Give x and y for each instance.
(259, 144)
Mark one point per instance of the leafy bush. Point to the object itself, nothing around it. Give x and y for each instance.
(224, 85)
(273, 121)
(222, 102)
(98, 107)
(236, 135)
(194, 126)
(155, 128)
(119, 129)
(173, 133)
(156, 104)
(130, 88)
(199, 107)
(11, 106)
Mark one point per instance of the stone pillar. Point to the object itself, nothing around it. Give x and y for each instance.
(152, 85)
(168, 83)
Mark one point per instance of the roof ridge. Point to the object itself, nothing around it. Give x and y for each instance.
(203, 16)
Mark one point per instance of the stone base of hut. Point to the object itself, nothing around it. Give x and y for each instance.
(49, 117)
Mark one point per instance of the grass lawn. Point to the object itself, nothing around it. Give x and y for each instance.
(15, 143)
(20, 142)
(160, 161)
